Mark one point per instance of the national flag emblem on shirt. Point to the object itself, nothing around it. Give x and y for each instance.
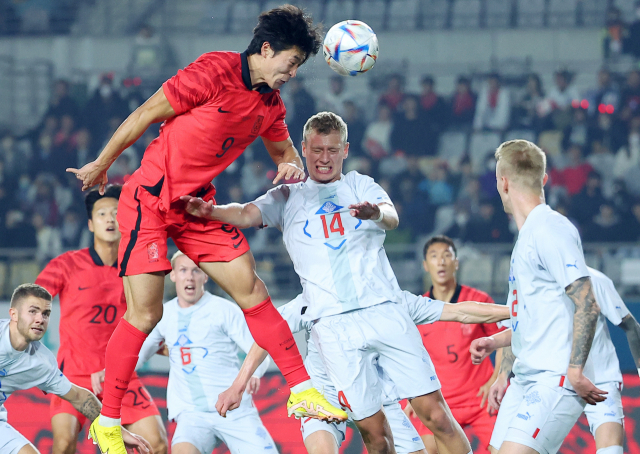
(328, 207)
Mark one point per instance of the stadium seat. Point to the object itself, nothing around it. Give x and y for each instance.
(244, 16)
(594, 13)
(434, 14)
(22, 271)
(501, 274)
(445, 218)
(339, 10)
(531, 13)
(482, 144)
(498, 13)
(630, 272)
(476, 271)
(215, 17)
(551, 142)
(562, 13)
(4, 278)
(525, 134)
(466, 14)
(403, 15)
(452, 147)
(372, 12)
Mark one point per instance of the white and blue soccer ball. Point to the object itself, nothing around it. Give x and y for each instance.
(350, 48)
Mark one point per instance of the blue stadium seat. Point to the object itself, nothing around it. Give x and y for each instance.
(498, 13)
(434, 14)
(466, 14)
(594, 13)
(562, 13)
(403, 14)
(372, 12)
(482, 144)
(339, 10)
(531, 13)
(452, 146)
(244, 16)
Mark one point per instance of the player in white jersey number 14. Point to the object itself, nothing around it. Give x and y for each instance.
(334, 227)
(26, 363)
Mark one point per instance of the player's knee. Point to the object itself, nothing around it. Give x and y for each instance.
(438, 420)
(64, 445)
(159, 446)
(145, 319)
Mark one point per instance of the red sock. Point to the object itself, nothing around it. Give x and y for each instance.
(121, 359)
(272, 333)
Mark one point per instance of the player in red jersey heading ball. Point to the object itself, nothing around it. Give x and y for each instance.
(91, 304)
(212, 110)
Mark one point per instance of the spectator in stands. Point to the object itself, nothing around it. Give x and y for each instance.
(607, 132)
(628, 156)
(334, 99)
(71, 229)
(488, 226)
(606, 226)
(14, 160)
(83, 152)
(394, 95)
(526, 110)
(634, 222)
(602, 159)
(418, 219)
(615, 31)
(585, 205)
(576, 172)
(105, 103)
(42, 200)
(561, 97)
(377, 136)
(17, 232)
(578, 132)
(152, 59)
(356, 127)
(488, 190)
(434, 111)
(61, 101)
(463, 104)
(469, 197)
(303, 107)
(436, 187)
(64, 141)
(630, 98)
(494, 106)
(621, 200)
(48, 240)
(407, 134)
(121, 170)
(607, 94)
(632, 41)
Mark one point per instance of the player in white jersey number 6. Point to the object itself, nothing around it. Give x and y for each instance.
(606, 419)
(201, 334)
(334, 229)
(25, 363)
(553, 314)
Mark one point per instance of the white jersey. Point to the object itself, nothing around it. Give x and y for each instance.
(340, 259)
(603, 353)
(34, 367)
(546, 258)
(203, 343)
(422, 310)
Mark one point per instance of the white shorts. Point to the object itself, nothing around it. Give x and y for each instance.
(11, 441)
(354, 343)
(608, 411)
(242, 431)
(405, 436)
(537, 416)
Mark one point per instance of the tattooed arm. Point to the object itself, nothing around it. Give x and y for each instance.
(88, 404)
(584, 329)
(499, 387)
(632, 329)
(508, 358)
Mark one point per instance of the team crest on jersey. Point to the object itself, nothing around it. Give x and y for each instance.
(257, 124)
(532, 398)
(153, 252)
(328, 207)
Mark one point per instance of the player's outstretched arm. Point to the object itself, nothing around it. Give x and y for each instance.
(241, 215)
(155, 109)
(287, 158)
(584, 329)
(230, 399)
(631, 328)
(88, 404)
(482, 347)
(474, 312)
(383, 213)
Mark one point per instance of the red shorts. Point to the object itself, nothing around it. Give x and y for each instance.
(136, 405)
(474, 417)
(145, 229)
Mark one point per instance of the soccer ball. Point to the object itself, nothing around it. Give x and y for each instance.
(350, 48)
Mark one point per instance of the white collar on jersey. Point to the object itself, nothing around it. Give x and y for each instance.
(311, 182)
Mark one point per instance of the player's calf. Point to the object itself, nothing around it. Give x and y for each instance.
(65, 433)
(376, 434)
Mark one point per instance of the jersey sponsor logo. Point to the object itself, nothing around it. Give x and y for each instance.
(406, 423)
(532, 398)
(526, 416)
(574, 265)
(433, 377)
(257, 124)
(610, 414)
(415, 439)
(83, 288)
(328, 207)
(223, 111)
(3, 372)
(153, 252)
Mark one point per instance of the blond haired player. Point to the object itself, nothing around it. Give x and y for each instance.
(553, 314)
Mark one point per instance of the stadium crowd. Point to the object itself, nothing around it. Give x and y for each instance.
(592, 140)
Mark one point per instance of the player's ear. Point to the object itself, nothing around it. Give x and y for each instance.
(545, 179)
(266, 50)
(172, 276)
(304, 148)
(346, 150)
(13, 313)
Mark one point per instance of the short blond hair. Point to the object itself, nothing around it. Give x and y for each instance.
(523, 162)
(325, 123)
(175, 256)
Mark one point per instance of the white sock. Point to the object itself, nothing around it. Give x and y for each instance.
(105, 421)
(302, 387)
(610, 450)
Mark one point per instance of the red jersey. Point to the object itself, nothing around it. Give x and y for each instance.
(448, 346)
(91, 304)
(217, 116)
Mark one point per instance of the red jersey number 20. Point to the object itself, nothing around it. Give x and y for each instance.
(335, 225)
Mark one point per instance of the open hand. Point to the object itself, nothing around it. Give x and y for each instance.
(497, 391)
(253, 386)
(289, 171)
(365, 211)
(133, 441)
(195, 206)
(229, 400)
(585, 388)
(97, 378)
(481, 348)
(91, 174)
